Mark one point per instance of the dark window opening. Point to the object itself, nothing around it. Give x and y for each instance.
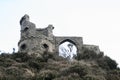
(26, 29)
(23, 47)
(45, 46)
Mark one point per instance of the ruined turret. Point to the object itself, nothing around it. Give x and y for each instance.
(35, 41)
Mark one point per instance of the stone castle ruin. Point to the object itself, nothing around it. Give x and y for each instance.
(38, 41)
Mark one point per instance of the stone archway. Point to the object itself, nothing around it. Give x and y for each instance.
(67, 49)
(77, 41)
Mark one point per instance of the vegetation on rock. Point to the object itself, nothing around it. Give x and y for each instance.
(87, 66)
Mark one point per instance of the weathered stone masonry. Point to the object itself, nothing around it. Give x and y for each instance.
(36, 40)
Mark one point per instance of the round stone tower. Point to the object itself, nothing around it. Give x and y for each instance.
(35, 41)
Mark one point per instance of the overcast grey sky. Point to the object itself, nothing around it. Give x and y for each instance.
(97, 21)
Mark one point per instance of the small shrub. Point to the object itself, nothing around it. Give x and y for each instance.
(107, 63)
(6, 62)
(89, 55)
(21, 57)
(113, 75)
(47, 75)
(111, 63)
(77, 69)
(93, 77)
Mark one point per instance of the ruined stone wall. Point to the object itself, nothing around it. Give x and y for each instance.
(92, 48)
(37, 41)
(36, 46)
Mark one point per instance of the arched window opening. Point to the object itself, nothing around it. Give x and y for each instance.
(23, 46)
(45, 46)
(26, 29)
(67, 50)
